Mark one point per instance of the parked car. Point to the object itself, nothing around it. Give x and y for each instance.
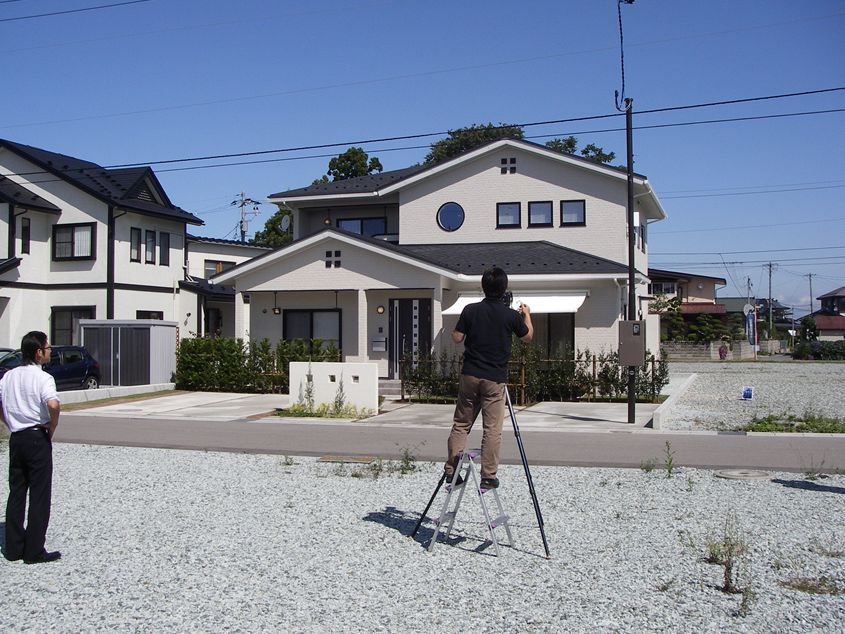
(72, 367)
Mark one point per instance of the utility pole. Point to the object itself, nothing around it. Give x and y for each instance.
(772, 267)
(243, 202)
(810, 276)
(627, 106)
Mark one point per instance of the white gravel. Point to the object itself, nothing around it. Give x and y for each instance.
(159, 540)
(713, 400)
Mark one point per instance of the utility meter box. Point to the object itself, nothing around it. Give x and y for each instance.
(631, 343)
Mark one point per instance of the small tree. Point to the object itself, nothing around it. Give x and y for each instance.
(465, 139)
(809, 331)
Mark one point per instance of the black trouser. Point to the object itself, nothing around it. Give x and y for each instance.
(30, 470)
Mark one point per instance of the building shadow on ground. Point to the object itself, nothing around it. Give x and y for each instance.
(809, 486)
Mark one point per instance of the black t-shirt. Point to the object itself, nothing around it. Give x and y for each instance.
(487, 326)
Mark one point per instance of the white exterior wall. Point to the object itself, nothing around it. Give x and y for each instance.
(77, 207)
(478, 185)
(143, 273)
(199, 252)
(360, 268)
(597, 321)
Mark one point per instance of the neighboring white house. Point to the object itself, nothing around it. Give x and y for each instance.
(209, 309)
(384, 263)
(85, 242)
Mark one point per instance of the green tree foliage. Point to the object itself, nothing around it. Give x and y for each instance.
(465, 139)
(353, 163)
(809, 331)
(273, 235)
(595, 153)
(569, 145)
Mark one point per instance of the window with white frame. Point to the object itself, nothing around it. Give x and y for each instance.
(74, 242)
(213, 267)
(663, 288)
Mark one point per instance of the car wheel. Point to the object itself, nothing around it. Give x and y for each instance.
(91, 383)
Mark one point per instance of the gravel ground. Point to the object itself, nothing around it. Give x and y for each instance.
(713, 400)
(176, 541)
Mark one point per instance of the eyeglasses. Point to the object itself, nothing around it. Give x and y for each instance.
(46, 347)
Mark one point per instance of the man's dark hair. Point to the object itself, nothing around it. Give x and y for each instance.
(30, 344)
(494, 282)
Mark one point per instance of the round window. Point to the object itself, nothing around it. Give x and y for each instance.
(450, 216)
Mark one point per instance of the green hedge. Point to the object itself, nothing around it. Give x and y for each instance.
(433, 377)
(221, 364)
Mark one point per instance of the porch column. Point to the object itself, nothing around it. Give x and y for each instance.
(437, 317)
(240, 321)
(363, 318)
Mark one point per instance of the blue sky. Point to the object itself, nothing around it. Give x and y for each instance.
(170, 79)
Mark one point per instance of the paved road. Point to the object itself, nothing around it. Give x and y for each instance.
(553, 434)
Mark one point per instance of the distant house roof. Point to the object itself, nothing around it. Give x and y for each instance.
(653, 273)
(839, 292)
(133, 188)
(20, 196)
(829, 322)
(735, 304)
(211, 291)
(358, 185)
(237, 243)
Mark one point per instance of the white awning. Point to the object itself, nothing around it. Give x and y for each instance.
(552, 302)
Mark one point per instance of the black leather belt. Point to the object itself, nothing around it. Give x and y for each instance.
(34, 428)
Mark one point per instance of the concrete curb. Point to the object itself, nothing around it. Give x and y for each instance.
(666, 406)
(83, 396)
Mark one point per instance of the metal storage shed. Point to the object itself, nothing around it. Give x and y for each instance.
(132, 351)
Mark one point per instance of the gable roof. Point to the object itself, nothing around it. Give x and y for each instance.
(18, 195)
(653, 273)
(235, 243)
(389, 182)
(539, 259)
(136, 188)
(839, 292)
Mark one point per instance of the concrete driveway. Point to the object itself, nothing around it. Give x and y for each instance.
(223, 406)
(216, 406)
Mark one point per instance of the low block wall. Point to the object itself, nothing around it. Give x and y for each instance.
(691, 351)
(359, 381)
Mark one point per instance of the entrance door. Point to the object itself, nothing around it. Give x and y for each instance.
(410, 330)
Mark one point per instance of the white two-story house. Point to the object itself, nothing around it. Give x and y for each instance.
(384, 264)
(79, 241)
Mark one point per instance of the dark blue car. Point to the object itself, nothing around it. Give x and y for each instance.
(72, 367)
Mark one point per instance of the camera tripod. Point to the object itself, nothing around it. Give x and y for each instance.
(527, 477)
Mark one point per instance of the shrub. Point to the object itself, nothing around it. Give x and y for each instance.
(221, 364)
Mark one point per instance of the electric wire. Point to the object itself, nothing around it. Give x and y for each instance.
(53, 13)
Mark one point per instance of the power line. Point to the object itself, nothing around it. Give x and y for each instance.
(52, 13)
(770, 224)
(735, 252)
(443, 133)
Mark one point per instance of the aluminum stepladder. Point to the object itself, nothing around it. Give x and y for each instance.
(528, 477)
(466, 462)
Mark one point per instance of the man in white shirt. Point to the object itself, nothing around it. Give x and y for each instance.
(30, 409)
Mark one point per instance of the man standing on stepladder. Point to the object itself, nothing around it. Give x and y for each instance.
(485, 328)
